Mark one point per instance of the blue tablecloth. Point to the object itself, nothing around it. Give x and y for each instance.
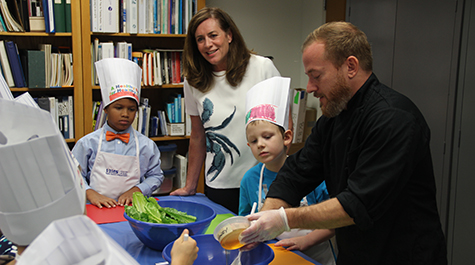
(125, 237)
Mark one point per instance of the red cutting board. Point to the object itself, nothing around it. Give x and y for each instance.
(105, 215)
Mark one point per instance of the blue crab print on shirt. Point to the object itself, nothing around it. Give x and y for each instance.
(217, 144)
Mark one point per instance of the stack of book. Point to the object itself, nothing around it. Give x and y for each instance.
(62, 111)
(20, 68)
(35, 15)
(159, 66)
(142, 16)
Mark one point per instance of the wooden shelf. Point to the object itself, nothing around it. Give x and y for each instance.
(36, 34)
(26, 89)
(150, 87)
(138, 35)
(169, 138)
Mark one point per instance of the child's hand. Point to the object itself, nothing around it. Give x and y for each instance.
(295, 243)
(126, 197)
(184, 252)
(100, 200)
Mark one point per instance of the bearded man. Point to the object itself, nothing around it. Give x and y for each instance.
(371, 146)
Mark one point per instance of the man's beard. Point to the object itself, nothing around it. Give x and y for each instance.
(338, 98)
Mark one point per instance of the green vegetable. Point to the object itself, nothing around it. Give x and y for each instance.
(139, 201)
(148, 210)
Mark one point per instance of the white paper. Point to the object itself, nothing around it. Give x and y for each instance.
(39, 180)
(74, 240)
(26, 99)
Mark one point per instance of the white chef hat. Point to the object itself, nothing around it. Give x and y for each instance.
(118, 78)
(75, 240)
(40, 181)
(268, 100)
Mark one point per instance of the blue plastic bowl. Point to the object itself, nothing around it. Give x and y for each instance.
(211, 252)
(157, 236)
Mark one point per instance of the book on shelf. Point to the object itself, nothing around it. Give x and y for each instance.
(15, 64)
(61, 110)
(142, 9)
(23, 12)
(34, 75)
(110, 16)
(163, 122)
(67, 15)
(157, 12)
(48, 13)
(47, 48)
(131, 12)
(95, 110)
(154, 126)
(59, 9)
(157, 69)
(71, 116)
(142, 16)
(6, 69)
(94, 19)
(100, 117)
(299, 106)
(63, 116)
(181, 164)
(68, 76)
(144, 69)
(10, 16)
(174, 109)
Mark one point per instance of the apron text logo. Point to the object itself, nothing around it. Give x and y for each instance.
(114, 172)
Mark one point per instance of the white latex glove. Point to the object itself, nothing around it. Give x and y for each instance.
(267, 226)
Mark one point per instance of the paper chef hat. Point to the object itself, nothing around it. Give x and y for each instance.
(269, 100)
(118, 78)
(75, 240)
(40, 181)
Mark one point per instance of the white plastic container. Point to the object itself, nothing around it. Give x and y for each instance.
(167, 184)
(167, 152)
(228, 231)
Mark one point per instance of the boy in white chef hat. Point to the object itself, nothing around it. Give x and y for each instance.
(269, 137)
(117, 160)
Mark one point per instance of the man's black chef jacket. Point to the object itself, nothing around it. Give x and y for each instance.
(375, 159)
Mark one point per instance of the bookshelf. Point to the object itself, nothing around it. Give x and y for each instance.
(157, 95)
(31, 40)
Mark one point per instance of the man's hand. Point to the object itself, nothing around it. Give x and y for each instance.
(267, 226)
(100, 200)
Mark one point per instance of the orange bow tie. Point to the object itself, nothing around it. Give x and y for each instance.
(111, 136)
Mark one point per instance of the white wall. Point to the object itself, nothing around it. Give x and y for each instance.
(277, 28)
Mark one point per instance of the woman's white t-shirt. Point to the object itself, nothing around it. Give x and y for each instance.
(222, 111)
